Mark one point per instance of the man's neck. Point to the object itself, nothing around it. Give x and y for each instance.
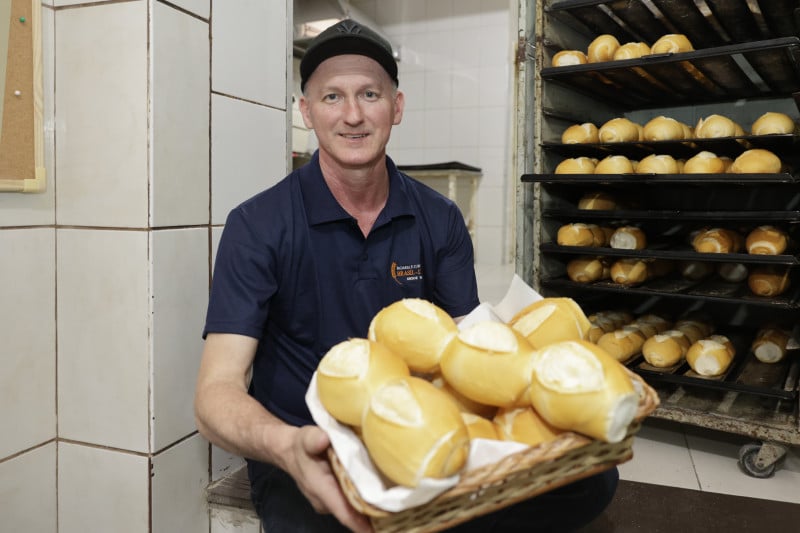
(362, 192)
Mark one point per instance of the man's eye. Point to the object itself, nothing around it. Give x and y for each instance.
(330, 97)
(370, 95)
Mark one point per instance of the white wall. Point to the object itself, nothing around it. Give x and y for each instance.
(159, 117)
(455, 68)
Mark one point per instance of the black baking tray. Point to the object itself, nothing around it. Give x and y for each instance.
(679, 288)
(631, 214)
(761, 69)
(780, 144)
(715, 23)
(782, 177)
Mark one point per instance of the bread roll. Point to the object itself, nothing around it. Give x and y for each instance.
(694, 329)
(551, 320)
(489, 363)
(717, 241)
(631, 51)
(585, 269)
(523, 424)
(629, 271)
(580, 234)
(714, 127)
(663, 128)
(479, 427)
(348, 374)
(709, 358)
(704, 162)
(756, 161)
(733, 272)
(657, 164)
(576, 165)
(416, 330)
(766, 240)
(614, 164)
(623, 343)
(602, 48)
(773, 123)
(768, 281)
(659, 323)
(464, 404)
(666, 349)
(580, 134)
(619, 129)
(672, 43)
(577, 386)
(411, 411)
(568, 58)
(725, 341)
(599, 327)
(601, 201)
(770, 344)
(628, 238)
(618, 317)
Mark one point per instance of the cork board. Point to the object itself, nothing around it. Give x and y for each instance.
(21, 136)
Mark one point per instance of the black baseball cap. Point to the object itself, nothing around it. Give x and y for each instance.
(347, 37)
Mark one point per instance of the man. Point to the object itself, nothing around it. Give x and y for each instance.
(307, 264)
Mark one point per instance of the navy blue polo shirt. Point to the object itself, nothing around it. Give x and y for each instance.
(294, 271)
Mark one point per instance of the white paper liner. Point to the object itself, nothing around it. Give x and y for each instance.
(354, 456)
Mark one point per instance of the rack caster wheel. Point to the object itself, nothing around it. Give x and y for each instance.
(760, 460)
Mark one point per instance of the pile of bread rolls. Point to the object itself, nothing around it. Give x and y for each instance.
(606, 47)
(419, 380)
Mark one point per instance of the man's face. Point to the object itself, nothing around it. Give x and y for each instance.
(351, 104)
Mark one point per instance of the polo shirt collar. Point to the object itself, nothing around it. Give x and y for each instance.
(321, 207)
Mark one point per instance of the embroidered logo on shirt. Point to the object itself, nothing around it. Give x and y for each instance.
(405, 273)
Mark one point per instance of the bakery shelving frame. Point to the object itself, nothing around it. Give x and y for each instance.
(747, 61)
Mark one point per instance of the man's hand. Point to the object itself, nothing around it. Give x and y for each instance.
(310, 468)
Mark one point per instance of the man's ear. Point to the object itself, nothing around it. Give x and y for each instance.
(399, 105)
(304, 111)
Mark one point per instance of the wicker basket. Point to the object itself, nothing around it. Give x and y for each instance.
(515, 478)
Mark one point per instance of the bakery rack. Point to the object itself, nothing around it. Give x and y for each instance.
(746, 61)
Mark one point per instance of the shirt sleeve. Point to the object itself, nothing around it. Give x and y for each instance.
(456, 288)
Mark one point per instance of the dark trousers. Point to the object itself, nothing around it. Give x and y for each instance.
(283, 508)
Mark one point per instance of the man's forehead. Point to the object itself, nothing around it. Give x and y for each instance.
(347, 65)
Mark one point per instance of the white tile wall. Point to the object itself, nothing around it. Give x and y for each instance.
(248, 152)
(27, 330)
(102, 490)
(201, 8)
(101, 133)
(179, 295)
(179, 480)
(28, 491)
(103, 338)
(180, 51)
(249, 68)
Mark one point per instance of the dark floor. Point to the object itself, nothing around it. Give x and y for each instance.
(642, 507)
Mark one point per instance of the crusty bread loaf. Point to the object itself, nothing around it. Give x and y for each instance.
(568, 58)
(577, 386)
(665, 349)
(586, 269)
(768, 280)
(416, 330)
(551, 320)
(412, 411)
(770, 344)
(672, 43)
(771, 123)
(767, 240)
(523, 424)
(602, 48)
(619, 129)
(628, 238)
(714, 126)
(694, 329)
(658, 164)
(580, 134)
(601, 201)
(614, 164)
(756, 161)
(704, 162)
(349, 373)
(464, 404)
(489, 363)
(629, 271)
(479, 427)
(709, 357)
(717, 241)
(580, 234)
(576, 165)
(622, 343)
(663, 128)
(632, 50)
